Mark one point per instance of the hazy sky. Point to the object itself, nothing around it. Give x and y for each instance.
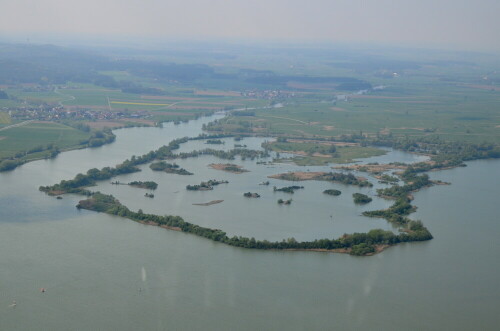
(462, 24)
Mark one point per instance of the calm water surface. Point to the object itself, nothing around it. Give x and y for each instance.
(107, 273)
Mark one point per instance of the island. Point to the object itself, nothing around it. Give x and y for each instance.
(149, 185)
(284, 202)
(213, 202)
(287, 189)
(332, 192)
(338, 177)
(360, 198)
(171, 168)
(228, 167)
(251, 195)
(206, 186)
(214, 142)
(355, 244)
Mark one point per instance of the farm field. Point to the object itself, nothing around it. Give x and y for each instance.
(27, 137)
(452, 112)
(4, 119)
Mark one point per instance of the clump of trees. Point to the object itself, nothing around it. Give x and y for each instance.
(251, 195)
(360, 198)
(226, 155)
(332, 192)
(150, 185)
(288, 189)
(206, 186)
(387, 179)
(348, 179)
(76, 184)
(214, 142)
(101, 137)
(171, 168)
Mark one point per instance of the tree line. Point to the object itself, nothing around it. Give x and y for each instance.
(357, 243)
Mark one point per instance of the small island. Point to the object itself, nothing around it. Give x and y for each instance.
(171, 168)
(251, 195)
(228, 167)
(337, 177)
(360, 198)
(284, 202)
(213, 202)
(149, 195)
(206, 186)
(288, 189)
(214, 142)
(149, 185)
(332, 192)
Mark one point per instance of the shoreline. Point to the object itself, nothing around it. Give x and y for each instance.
(213, 202)
(379, 248)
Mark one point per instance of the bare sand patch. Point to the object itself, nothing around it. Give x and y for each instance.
(175, 228)
(328, 127)
(213, 202)
(337, 109)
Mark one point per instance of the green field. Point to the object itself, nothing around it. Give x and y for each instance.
(341, 154)
(24, 138)
(452, 112)
(431, 95)
(4, 118)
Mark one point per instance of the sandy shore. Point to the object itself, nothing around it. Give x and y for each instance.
(213, 202)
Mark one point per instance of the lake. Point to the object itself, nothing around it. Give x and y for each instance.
(109, 273)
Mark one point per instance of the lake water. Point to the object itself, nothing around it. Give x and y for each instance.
(108, 273)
